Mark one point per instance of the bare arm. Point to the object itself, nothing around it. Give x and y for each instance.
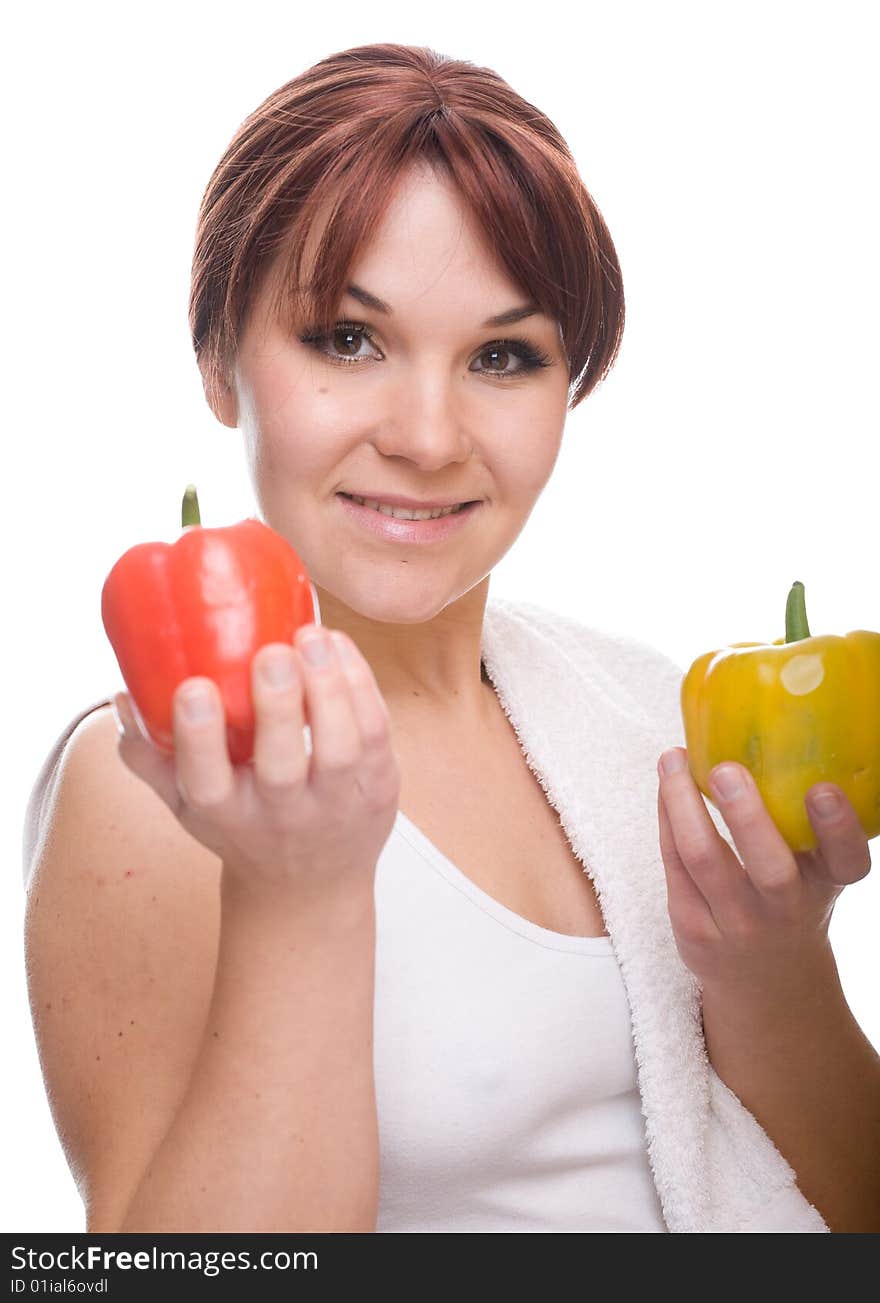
(803, 1067)
(213, 1070)
(277, 1131)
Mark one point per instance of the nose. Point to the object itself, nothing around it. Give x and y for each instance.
(425, 421)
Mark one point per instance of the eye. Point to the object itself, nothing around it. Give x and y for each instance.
(531, 358)
(349, 335)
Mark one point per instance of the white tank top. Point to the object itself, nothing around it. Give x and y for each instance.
(506, 1085)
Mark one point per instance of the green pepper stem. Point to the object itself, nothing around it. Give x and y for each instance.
(190, 511)
(796, 626)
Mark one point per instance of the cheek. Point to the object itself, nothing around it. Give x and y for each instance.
(282, 393)
(296, 459)
(524, 465)
(297, 438)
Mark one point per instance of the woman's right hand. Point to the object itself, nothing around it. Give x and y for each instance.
(315, 824)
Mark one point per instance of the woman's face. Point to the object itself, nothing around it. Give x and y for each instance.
(427, 407)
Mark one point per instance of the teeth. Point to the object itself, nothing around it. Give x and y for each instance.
(402, 513)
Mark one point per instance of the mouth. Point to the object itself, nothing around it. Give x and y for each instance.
(406, 513)
(399, 525)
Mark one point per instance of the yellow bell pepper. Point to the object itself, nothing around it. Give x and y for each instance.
(795, 712)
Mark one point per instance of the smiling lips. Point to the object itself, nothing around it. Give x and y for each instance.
(399, 525)
(397, 500)
(403, 512)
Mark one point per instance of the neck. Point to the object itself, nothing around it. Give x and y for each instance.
(429, 663)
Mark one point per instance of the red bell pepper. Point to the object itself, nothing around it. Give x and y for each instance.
(203, 606)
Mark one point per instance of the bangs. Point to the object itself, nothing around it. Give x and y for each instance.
(326, 153)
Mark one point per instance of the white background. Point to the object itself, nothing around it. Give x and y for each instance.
(732, 151)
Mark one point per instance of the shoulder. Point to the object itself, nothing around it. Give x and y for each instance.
(95, 723)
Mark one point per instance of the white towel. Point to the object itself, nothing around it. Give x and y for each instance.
(593, 710)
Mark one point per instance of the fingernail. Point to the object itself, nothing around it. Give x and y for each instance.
(344, 647)
(277, 670)
(727, 782)
(672, 761)
(316, 649)
(197, 705)
(825, 804)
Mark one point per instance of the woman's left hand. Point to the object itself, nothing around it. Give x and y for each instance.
(751, 926)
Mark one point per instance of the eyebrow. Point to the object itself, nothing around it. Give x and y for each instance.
(503, 318)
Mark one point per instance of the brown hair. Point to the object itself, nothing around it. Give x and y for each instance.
(341, 133)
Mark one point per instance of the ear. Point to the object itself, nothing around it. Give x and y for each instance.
(221, 399)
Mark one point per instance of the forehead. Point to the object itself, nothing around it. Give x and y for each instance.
(425, 232)
(428, 259)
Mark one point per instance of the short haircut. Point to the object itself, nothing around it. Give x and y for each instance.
(340, 135)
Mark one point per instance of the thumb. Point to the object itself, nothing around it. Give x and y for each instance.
(141, 755)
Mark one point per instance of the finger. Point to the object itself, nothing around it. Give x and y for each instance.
(368, 704)
(685, 902)
(844, 848)
(336, 740)
(205, 777)
(766, 856)
(280, 761)
(141, 755)
(705, 854)
(378, 775)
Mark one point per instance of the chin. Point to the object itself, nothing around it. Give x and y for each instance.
(398, 610)
(394, 600)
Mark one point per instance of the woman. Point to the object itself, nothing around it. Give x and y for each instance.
(367, 984)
